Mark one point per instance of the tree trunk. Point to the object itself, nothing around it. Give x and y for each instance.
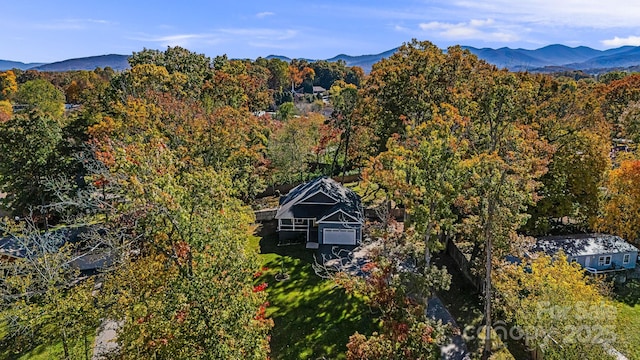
(487, 294)
(488, 235)
(346, 151)
(86, 348)
(334, 163)
(65, 345)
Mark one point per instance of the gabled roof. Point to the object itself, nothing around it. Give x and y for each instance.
(12, 247)
(339, 216)
(584, 244)
(292, 205)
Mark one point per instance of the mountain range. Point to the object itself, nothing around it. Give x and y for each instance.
(552, 58)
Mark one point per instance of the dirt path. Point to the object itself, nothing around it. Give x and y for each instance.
(105, 340)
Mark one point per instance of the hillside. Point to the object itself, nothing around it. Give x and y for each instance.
(8, 65)
(116, 62)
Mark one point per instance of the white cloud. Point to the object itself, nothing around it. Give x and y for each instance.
(262, 33)
(252, 37)
(486, 30)
(182, 40)
(618, 41)
(573, 13)
(265, 14)
(72, 24)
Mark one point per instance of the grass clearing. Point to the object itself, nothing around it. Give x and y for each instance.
(628, 322)
(313, 317)
(53, 351)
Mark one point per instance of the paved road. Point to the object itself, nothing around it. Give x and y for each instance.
(456, 349)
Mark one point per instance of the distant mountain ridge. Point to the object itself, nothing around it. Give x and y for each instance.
(116, 62)
(551, 58)
(560, 57)
(8, 65)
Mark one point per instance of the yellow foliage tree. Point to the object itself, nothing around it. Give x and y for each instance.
(6, 110)
(556, 308)
(622, 205)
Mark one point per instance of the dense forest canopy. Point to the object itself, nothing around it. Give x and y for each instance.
(163, 162)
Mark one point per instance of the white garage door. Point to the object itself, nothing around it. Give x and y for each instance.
(339, 236)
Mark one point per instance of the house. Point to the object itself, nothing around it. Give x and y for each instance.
(11, 249)
(597, 253)
(319, 90)
(320, 212)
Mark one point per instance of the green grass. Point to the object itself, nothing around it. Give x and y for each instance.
(628, 322)
(51, 351)
(313, 317)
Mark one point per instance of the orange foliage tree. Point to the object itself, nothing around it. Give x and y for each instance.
(622, 205)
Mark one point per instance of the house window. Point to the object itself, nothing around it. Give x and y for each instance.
(626, 258)
(604, 261)
(300, 221)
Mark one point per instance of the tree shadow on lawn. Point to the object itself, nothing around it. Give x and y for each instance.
(313, 317)
(467, 306)
(629, 292)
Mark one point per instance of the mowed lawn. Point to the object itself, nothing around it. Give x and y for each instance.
(48, 352)
(313, 317)
(628, 299)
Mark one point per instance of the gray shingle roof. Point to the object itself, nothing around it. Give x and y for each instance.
(348, 201)
(584, 244)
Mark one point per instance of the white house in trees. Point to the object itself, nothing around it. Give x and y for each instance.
(597, 253)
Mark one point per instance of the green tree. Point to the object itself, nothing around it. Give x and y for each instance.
(286, 111)
(344, 98)
(29, 157)
(292, 147)
(40, 94)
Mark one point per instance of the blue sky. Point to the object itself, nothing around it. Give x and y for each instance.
(51, 30)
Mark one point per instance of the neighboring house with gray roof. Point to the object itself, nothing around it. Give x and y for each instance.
(597, 253)
(321, 212)
(35, 245)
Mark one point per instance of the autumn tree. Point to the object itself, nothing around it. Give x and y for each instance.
(393, 289)
(423, 171)
(567, 114)
(630, 122)
(195, 67)
(189, 293)
(8, 85)
(622, 202)
(299, 71)
(6, 110)
(557, 308)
